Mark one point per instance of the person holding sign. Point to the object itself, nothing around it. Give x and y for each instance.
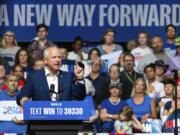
(10, 94)
(50, 83)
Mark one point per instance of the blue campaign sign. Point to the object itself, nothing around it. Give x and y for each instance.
(169, 124)
(56, 110)
(88, 18)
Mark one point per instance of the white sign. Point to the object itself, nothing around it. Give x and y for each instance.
(112, 58)
(10, 110)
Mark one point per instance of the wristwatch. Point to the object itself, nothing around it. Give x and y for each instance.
(110, 116)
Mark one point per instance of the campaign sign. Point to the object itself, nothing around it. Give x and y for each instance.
(152, 126)
(9, 110)
(169, 124)
(56, 110)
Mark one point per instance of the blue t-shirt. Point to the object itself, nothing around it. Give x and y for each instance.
(111, 109)
(140, 109)
(10, 126)
(168, 106)
(170, 49)
(117, 48)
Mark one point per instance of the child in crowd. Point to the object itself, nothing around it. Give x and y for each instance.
(126, 121)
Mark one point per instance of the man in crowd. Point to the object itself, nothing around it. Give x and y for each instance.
(169, 92)
(50, 83)
(174, 63)
(15, 126)
(128, 76)
(36, 49)
(169, 45)
(100, 82)
(158, 54)
(63, 53)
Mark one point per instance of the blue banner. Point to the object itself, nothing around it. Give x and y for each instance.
(88, 18)
(51, 110)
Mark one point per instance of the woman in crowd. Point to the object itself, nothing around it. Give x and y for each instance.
(143, 49)
(155, 89)
(108, 45)
(110, 108)
(94, 53)
(76, 53)
(9, 47)
(18, 70)
(23, 58)
(143, 106)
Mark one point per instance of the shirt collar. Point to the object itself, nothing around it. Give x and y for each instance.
(47, 73)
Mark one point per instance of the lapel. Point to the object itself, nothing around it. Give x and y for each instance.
(45, 83)
(60, 82)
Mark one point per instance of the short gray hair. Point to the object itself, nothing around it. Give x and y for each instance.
(46, 51)
(98, 58)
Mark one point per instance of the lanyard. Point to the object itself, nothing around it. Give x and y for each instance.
(129, 78)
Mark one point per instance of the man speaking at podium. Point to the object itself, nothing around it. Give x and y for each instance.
(52, 84)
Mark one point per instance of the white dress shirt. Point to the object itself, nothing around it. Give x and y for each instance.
(52, 80)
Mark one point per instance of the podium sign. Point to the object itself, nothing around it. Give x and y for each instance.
(56, 110)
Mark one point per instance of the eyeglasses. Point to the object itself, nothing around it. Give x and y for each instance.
(171, 30)
(9, 36)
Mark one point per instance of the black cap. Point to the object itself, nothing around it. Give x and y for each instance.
(160, 63)
(115, 85)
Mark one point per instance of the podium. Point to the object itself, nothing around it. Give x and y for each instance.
(55, 117)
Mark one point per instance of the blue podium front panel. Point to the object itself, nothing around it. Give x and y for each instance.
(56, 110)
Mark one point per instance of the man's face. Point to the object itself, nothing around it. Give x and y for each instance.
(157, 45)
(128, 63)
(171, 32)
(53, 60)
(42, 33)
(96, 66)
(150, 73)
(114, 72)
(12, 84)
(169, 88)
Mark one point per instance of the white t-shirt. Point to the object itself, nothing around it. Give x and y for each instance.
(9, 54)
(159, 90)
(139, 54)
(73, 56)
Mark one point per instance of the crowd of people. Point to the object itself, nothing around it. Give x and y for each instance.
(138, 87)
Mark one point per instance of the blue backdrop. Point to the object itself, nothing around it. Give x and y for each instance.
(88, 18)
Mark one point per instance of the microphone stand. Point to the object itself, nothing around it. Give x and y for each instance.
(176, 111)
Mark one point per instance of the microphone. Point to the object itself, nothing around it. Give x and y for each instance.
(60, 91)
(52, 87)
